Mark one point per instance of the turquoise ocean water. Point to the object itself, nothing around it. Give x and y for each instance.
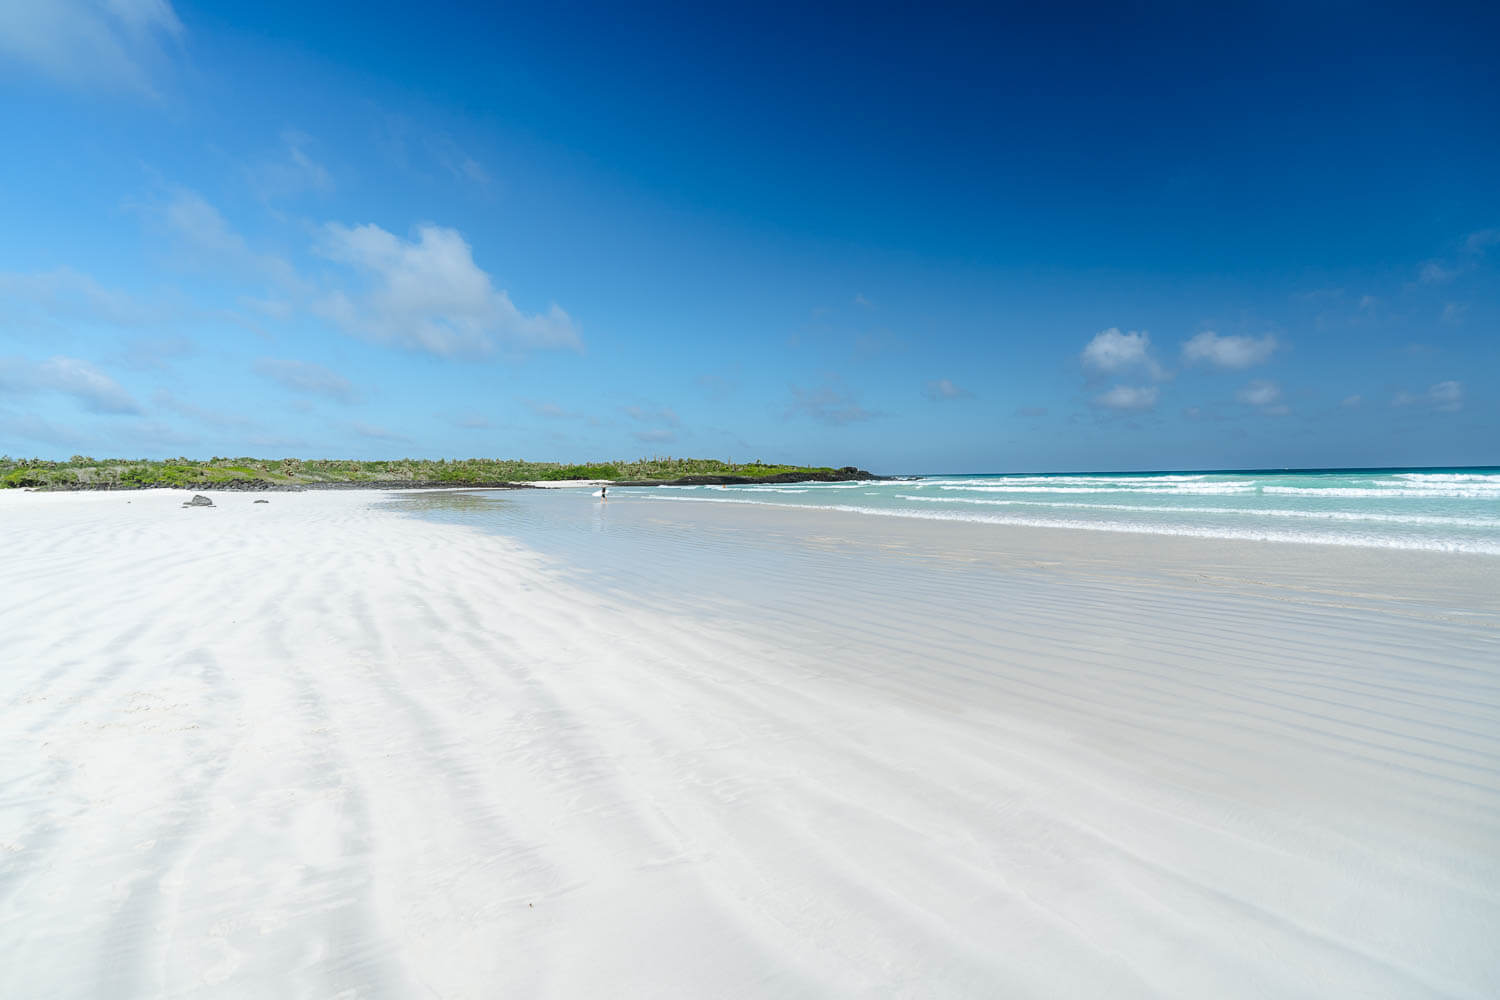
(1455, 510)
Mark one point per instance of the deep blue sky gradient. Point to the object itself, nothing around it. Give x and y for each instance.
(880, 236)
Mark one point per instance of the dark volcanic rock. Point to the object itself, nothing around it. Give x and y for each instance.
(260, 501)
(199, 500)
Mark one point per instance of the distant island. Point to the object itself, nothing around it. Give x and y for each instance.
(83, 473)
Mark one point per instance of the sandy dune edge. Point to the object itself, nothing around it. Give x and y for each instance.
(309, 748)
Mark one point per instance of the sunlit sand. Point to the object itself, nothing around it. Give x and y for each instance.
(327, 747)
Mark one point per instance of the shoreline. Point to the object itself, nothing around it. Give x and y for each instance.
(266, 486)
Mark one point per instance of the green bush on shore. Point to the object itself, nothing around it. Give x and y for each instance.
(82, 472)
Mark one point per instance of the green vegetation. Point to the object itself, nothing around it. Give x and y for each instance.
(82, 472)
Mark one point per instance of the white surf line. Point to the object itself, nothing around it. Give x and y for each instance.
(1403, 542)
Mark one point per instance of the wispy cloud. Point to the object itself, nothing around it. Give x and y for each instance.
(716, 385)
(1228, 352)
(1481, 240)
(210, 241)
(938, 389)
(291, 172)
(1444, 397)
(660, 415)
(428, 295)
(168, 400)
(93, 389)
(378, 433)
(550, 410)
(30, 427)
(460, 164)
(155, 353)
(1470, 255)
(1129, 398)
(830, 403)
(1435, 272)
(64, 298)
(307, 378)
(1264, 396)
(655, 435)
(91, 44)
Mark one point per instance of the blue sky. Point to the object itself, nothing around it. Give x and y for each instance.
(1092, 237)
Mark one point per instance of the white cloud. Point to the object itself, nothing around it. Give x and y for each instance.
(1230, 352)
(307, 378)
(1129, 398)
(428, 295)
(1350, 402)
(90, 43)
(1454, 312)
(1445, 397)
(941, 388)
(1260, 393)
(93, 389)
(1112, 351)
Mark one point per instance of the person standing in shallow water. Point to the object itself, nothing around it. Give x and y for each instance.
(603, 492)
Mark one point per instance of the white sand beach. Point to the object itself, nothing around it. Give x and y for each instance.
(320, 748)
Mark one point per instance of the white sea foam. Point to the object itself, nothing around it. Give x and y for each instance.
(1183, 489)
(1433, 492)
(1330, 515)
(1450, 477)
(1060, 480)
(1353, 539)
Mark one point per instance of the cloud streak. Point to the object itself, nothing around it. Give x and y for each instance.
(91, 388)
(88, 44)
(307, 379)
